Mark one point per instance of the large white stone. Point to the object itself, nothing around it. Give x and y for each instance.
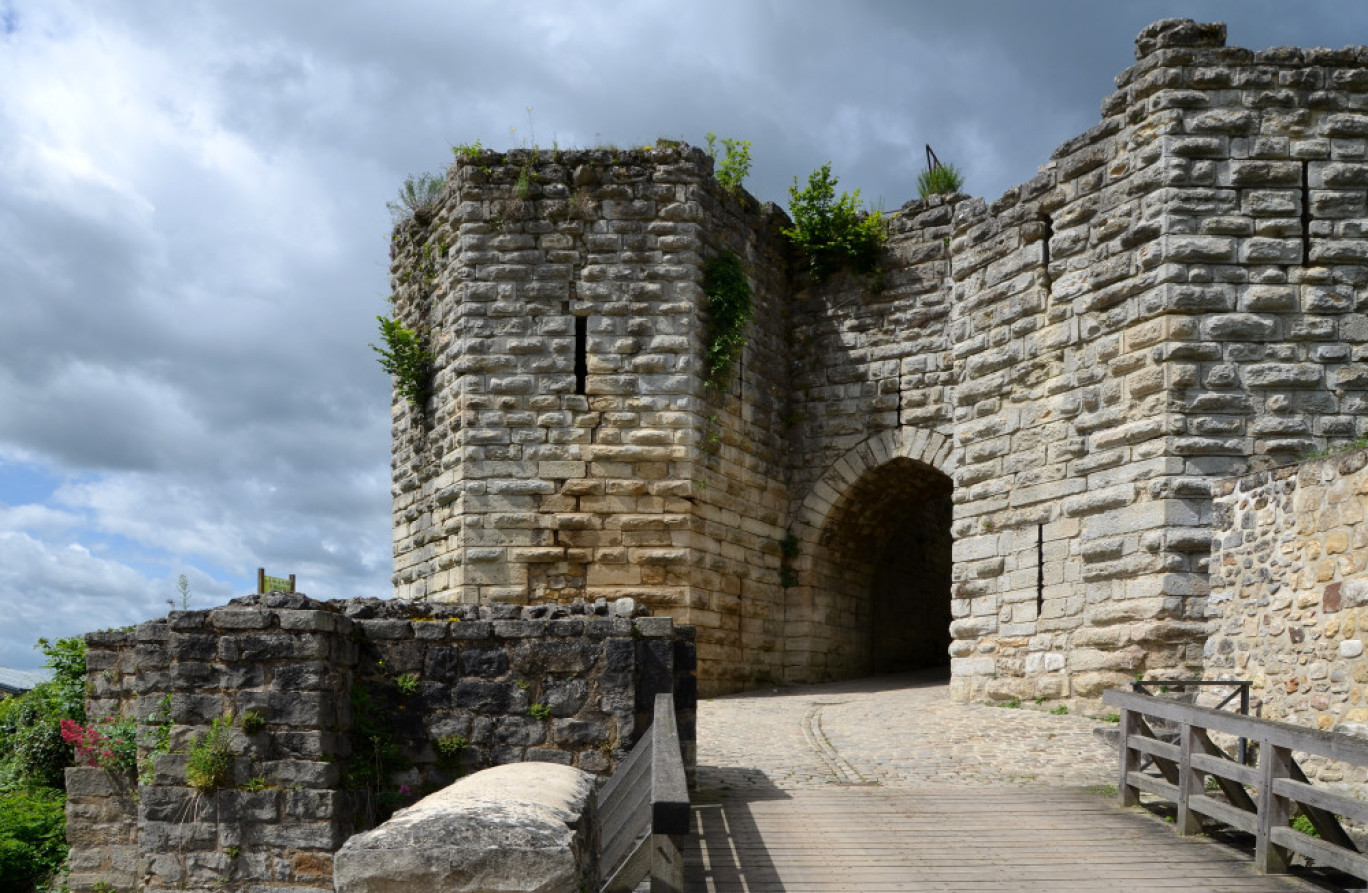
(515, 827)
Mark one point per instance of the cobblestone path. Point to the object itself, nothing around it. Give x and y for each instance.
(883, 784)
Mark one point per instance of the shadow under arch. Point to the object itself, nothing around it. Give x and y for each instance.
(875, 568)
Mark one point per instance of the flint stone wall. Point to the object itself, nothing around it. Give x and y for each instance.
(1289, 592)
(328, 677)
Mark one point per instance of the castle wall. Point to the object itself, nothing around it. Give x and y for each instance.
(526, 479)
(1175, 298)
(1289, 591)
(871, 362)
(356, 702)
(1199, 312)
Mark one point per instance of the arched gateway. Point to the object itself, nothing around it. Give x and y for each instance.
(875, 561)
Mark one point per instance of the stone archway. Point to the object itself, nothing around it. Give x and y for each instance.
(875, 568)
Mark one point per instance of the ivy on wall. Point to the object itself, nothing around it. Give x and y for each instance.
(730, 308)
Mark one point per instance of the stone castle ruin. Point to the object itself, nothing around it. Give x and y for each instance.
(1052, 439)
(999, 446)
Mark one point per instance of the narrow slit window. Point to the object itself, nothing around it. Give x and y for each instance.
(581, 353)
(1306, 214)
(1045, 253)
(1040, 569)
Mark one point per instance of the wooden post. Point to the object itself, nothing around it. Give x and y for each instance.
(1275, 763)
(1130, 796)
(261, 579)
(667, 865)
(1189, 783)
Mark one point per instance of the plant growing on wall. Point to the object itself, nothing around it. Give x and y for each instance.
(730, 308)
(938, 180)
(407, 358)
(209, 762)
(734, 165)
(832, 232)
(417, 197)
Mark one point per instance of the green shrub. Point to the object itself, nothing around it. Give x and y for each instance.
(539, 711)
(209, 763)
(253, 722)
(733, 167)
(832, 232)
(941, 179)
(407, 358)
(449, 749)
(32, 837)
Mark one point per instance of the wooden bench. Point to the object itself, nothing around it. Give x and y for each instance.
(1259, 799)
(643, 808)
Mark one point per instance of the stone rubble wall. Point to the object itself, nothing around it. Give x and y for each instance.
(342, 687)
(1177, 297)
(1289, 591)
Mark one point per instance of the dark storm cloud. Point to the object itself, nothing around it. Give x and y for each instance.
(193, 235)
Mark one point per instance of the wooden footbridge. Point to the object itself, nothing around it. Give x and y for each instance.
(1213, 823)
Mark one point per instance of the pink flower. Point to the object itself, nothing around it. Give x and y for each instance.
(86, 741)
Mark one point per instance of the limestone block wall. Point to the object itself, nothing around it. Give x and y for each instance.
(355, 697)
(739, 490)
(569, 449)
(1289, 591)
(1060, 427)
(1194, 310)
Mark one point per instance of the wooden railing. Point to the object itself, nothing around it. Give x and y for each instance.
(1261, 799)
(642, 808)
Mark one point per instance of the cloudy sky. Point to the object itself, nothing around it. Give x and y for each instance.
(193, 232)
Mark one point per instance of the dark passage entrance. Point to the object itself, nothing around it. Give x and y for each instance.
(910, 595)
(888, 562)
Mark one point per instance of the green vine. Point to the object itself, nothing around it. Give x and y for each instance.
(407, 359)
(156, 738)
(831, 231)
(729, 305)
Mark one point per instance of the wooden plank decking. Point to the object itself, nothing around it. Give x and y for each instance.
(950, 839)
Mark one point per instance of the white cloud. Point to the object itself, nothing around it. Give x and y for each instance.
(53, 591)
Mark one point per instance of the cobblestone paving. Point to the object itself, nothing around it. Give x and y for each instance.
(894, 731)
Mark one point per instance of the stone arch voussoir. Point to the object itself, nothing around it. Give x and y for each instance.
(928, 447)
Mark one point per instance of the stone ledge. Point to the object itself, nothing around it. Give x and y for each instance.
(523, 826)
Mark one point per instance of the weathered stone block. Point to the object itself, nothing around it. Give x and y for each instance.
(521, 826)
